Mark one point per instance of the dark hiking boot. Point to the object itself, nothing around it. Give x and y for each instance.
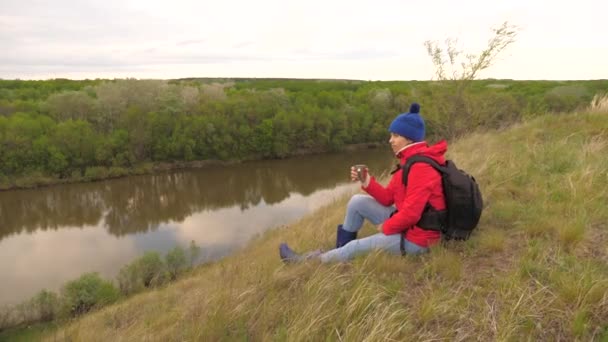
(344, 236)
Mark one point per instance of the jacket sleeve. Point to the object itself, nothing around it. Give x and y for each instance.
(421, 181)
(381, 194)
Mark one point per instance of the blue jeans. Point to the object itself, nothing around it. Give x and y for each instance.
(361, 207)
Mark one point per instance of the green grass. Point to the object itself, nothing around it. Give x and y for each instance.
(537, 268)
(30, 333)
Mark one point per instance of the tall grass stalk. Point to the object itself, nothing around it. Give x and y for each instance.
(599, 103)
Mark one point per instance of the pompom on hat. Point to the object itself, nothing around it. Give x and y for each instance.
(409, 125)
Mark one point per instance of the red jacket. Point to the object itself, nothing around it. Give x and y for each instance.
(424, 186)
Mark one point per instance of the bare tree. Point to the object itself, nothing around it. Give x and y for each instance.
(456, 70)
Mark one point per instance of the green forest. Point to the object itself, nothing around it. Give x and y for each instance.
(65, 130)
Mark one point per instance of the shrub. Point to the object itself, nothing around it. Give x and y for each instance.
(116, 171)
(195, 251)
(96, 173)
(566, 98)
(176, 262)
(32, 180)
(147, 271)
(144, 168)
(495, 110)
(5, 183)
(7, 317)
(57, 162)
(152, 269)
(129, 280)
(76, 174)
(83, 294)
(45, 306)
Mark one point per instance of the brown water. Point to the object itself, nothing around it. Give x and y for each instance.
(52, 235)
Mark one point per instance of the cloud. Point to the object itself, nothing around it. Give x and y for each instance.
(92, 37)
(243, 44)
(191, 42)
(220, 37)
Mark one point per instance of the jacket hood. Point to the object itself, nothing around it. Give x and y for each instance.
(436, 152)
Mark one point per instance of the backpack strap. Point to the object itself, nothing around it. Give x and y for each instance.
(397, 168)
(419, 159)
(431, 218)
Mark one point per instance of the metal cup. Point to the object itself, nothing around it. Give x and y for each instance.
(361, 171)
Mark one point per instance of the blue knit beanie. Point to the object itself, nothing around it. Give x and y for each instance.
(409, 125)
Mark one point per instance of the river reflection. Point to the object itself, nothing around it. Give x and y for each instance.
(51, 235)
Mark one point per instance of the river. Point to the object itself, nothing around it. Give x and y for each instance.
(51, 235)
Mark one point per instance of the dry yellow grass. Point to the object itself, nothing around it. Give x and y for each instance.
(599, 104)
(536, 270)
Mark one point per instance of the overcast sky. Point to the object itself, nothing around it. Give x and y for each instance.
(369, 40)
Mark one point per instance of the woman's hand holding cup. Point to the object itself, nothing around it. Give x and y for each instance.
(353, 174)
(360, 173)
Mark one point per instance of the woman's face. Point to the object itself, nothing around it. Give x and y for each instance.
(398, 142)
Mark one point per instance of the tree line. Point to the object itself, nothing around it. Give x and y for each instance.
(93, 129)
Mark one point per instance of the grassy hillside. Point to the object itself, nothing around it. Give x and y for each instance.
(536, 270)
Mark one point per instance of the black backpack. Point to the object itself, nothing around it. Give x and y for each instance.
(462, 198)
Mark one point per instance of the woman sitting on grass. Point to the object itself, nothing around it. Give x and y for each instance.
(395, 209)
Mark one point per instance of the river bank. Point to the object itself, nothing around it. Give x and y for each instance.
(37, 179)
